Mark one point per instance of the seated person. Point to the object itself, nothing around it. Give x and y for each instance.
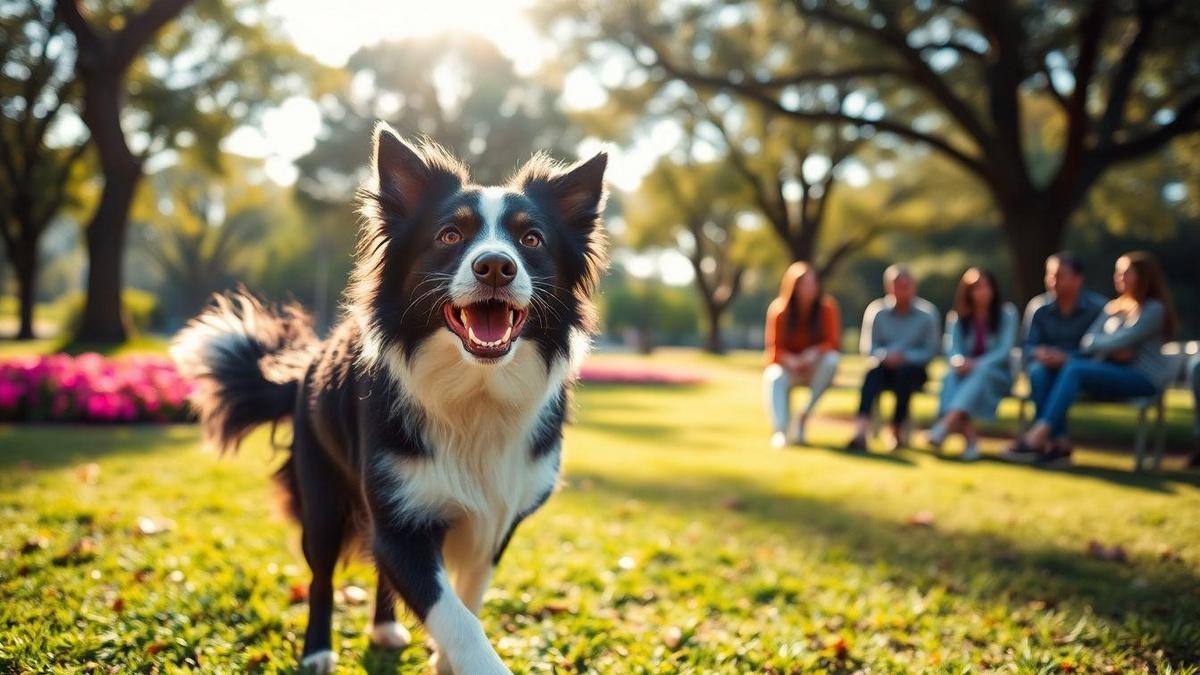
(803, 336)
(1124, 344)
(1055, 323)
(900, 334)
(980, 333)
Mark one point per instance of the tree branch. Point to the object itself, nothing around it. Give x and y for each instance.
(140, 29)
(87, 40)
(1187, 120)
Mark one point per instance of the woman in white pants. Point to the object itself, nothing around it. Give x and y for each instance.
(803, 336)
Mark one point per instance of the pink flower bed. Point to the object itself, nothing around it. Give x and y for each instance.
(91, 388)
(615, 373)
(146, 388)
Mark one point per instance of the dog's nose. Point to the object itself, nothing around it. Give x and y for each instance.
(495, 269)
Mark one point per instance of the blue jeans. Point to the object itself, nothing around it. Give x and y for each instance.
(1041, 381)
(1099, 378)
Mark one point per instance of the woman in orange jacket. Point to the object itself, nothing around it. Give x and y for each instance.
(803, 338)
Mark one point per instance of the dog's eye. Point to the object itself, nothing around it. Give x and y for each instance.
(532, 239)
(450, 236)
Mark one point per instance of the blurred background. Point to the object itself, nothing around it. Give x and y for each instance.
(156, 151)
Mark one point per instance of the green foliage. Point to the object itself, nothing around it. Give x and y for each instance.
(198, 227)
(459, 90)
(647, 310)
(679, 542)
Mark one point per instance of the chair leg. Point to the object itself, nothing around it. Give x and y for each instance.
(1160, 432)
(1139, 444)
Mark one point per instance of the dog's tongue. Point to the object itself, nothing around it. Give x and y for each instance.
(488, 320)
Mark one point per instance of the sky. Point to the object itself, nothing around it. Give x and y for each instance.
(332, 31)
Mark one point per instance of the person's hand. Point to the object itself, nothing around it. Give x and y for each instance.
(1052, 357)
(893, 359)
(1040, 354)
(964, 367)
(1122, 355)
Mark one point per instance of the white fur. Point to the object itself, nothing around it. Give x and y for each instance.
(464, 288)
(390, 635)
(319, 663)
(463, 648)
(478, 421)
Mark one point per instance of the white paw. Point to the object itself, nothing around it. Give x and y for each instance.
(390, 635)
(481, 664)
(319, 663)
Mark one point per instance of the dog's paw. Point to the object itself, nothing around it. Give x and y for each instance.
(390, 635)
(319, 663)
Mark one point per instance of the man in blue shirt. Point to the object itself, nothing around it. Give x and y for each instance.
(1055, 322)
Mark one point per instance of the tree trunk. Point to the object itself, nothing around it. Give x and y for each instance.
(25, 270)
(713, 344)
(104, 318)
(1033, 234)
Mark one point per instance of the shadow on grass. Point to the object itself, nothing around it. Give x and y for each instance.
(44, 446)
(1154, 600)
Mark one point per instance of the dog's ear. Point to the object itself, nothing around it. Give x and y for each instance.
(407, 174)
(577, 192)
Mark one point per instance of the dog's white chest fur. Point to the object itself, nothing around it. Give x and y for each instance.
(478, 423)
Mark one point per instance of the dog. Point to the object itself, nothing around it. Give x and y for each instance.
(428, 424)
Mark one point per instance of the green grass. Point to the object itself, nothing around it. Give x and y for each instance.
(675, 521)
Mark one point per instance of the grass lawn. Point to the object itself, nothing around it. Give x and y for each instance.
(679, 543)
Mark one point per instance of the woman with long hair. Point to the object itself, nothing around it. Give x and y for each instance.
(803, 338)
(980, 333)
(1125, 349)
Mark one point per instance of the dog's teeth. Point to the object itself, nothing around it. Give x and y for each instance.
(462, 314)
(507, 335)
(471, 335)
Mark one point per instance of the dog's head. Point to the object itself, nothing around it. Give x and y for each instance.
(491, 265)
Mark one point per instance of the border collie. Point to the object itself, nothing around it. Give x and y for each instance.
(428, 424)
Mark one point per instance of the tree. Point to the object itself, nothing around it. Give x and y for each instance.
(198, 227)
(956, 76)
(158, 75)
(696, 207)
(35, 92)
(459, 90)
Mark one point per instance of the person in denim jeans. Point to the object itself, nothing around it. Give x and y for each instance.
(1125, 346)
(1055, 323)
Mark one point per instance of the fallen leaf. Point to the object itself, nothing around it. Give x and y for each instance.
(921, 519)
(34, 544)
(1114, 553)
(733, 504)
(672, 637)
(151, 526)
(88, 474)
(297, 593)
(118, 605)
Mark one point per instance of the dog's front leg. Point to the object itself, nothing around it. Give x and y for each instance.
(410, 556)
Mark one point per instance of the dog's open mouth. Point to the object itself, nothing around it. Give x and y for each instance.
(487, 328)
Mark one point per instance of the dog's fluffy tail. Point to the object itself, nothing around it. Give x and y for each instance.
(247, 361)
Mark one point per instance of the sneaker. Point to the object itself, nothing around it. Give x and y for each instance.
(778, 440)
(936, 436)
(971, 453)
(857, 444)
(1020, 453)
(795, 434)
(1055, 458)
